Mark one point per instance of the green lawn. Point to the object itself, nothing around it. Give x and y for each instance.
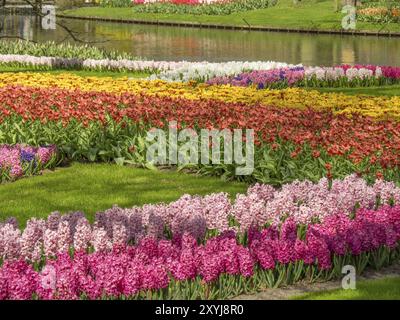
(383, 289)
(393, 90)
(309, 15)
(94, 187)
(83, 73)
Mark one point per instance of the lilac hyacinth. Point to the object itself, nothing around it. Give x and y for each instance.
(155, 225)
(32, 240)
(47, 281)
(262, 78)
(188, 216)
(135, 224)
(303, 201)
(12, 221)
(53, 220)
(292, 76)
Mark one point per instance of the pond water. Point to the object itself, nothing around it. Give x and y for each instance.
(172, 43)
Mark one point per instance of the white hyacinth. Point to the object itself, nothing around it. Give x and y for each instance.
(207, 70)
(186, 71)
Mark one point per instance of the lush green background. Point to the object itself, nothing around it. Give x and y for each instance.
(306, 14)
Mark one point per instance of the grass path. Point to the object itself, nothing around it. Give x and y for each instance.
(381, 289)
(393, 90)
(82, 73)
(311, 15)
(95, 187)
(371, 285)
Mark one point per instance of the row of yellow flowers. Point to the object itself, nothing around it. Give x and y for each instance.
(376, 107)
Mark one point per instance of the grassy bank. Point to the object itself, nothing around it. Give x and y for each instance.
(94, 187)
(310, 15)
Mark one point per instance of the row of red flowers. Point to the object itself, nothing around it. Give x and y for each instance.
(356, 137)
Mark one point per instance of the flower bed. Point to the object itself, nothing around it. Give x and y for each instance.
(221, 267)
(255, 73)
(49, 63)
(379, 14)
(340, 76)
(206, 247)
(18, 160)
(375, 107)
(310, 131)
(303, 203)
(181, 70)
(260, 74)
(196, 7)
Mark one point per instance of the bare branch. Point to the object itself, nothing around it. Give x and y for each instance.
(37, 11)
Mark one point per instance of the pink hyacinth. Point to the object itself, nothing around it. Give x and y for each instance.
(50, 243)
(14, 159)
(83, 235)
(10, 242)
(64, 240)
(100, 240)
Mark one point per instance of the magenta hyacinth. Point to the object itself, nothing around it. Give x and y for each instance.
(152, 264)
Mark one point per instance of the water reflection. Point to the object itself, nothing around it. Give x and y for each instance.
(170, 43)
